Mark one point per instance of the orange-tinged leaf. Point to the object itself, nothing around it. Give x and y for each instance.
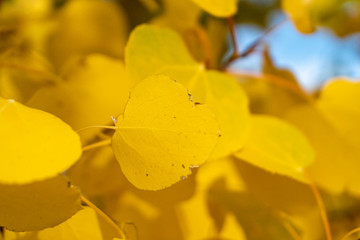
(277, 147)
(38, 205)
(35, 145)
(162, 134)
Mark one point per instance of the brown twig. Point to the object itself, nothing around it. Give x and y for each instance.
(273, 79)
(236, 55)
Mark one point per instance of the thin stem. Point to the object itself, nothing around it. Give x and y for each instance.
(231, 24)
(291, 231)
(23, 68)
(350, 233)
(252, 47)
(322, 208)
(100, 126)
(104, 216)
(97, 145)
(273, 79)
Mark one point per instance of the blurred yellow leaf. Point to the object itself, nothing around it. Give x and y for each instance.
(161, 51)
(194, 214)
(88, 26)
(223, 8)
(277, 147)
(299, 11)
(35, 145)
(38, 205)
(83, 225)
(95, 88)
(332, 127)
(162, 134)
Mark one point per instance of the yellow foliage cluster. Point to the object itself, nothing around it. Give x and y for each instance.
(138, 116)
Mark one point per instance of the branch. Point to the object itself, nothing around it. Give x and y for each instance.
(251, 48)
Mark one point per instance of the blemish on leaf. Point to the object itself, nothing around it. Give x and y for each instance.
(174, 117)
(183, 165)
(196, 103)
(113, 119)
(147, 174)
(68, 184)
(182, 178)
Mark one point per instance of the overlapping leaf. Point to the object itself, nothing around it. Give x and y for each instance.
(35, 145)
(38, 205)
(155, 50)
(162, 134)
(83, 225)
(277, 147)
(331, 125)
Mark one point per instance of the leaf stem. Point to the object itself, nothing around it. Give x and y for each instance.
(99, 126)
(350, 233)
(97, 145)
(322, 208)
(231, 24)
(104, 216)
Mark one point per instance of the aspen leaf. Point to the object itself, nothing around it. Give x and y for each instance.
(277, 147)
(332, 126)
(96, 87)
(299, 11)
(161, 51)
(35, 145)
(223, 8)
(88, 26)
(38, 205)
(83, 225)
(162, 134)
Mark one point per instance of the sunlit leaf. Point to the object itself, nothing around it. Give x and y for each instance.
(35, 145)
(155, 50)
(223, 8)
(162, 134)
(277, 147)
(38, 205)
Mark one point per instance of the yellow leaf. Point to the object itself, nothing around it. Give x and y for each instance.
(161, 51)
(83, 225)
(300, 14)
(35, 145)
(162, 134)
(88, 26)
(223, 8)
(96, 88)
(38, 205)
(332, 127)
(277, 147)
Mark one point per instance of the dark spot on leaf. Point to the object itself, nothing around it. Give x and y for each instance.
(219, 135)
(68, 184)
(147, 174)
(197, 103)
(174, 117)
(172, 165)
(183, 165)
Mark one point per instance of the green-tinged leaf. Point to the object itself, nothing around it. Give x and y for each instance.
(161, 51)
(277, 147)
(162, 134)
